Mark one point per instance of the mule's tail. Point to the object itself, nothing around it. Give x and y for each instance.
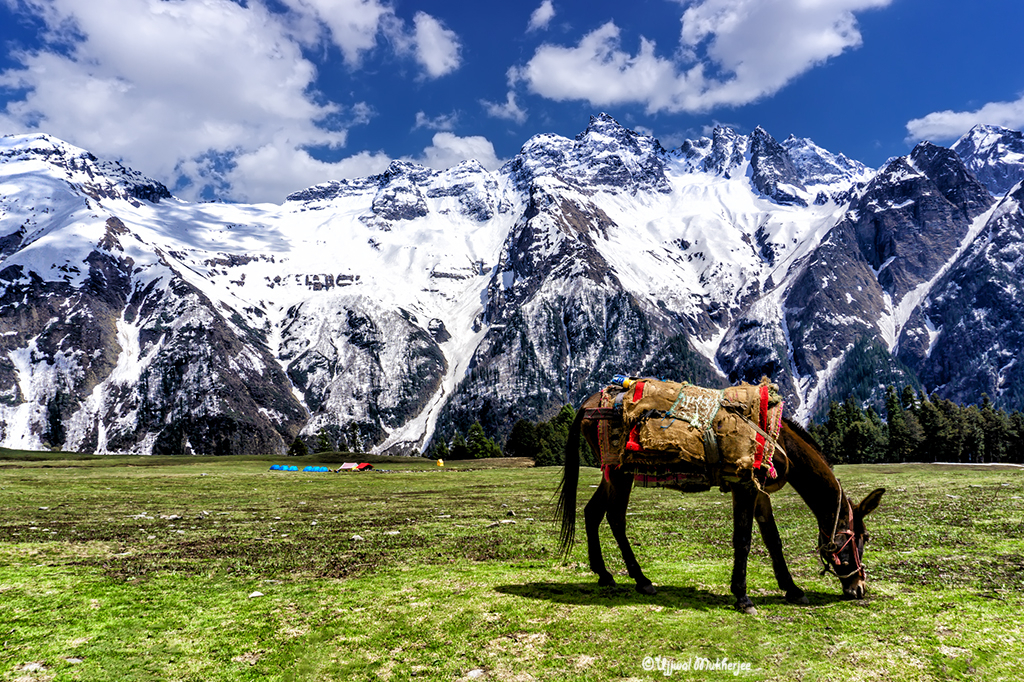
(565, 510)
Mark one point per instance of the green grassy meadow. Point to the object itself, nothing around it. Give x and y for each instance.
(120, 568)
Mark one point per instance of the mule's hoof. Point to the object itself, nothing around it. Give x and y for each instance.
(797, 597)
(746, 607)
(607, 581)
(649, 588)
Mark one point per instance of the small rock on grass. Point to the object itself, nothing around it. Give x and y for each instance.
(255, 594)
(32, 667)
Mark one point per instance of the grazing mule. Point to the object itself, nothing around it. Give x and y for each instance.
(841, 532)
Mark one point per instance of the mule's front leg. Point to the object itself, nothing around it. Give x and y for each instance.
(593, 514)
(742, 528)
(619, 486)
(770, 534)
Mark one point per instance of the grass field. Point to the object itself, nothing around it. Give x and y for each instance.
(218, 569)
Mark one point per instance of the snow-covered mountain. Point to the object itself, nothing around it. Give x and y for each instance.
(994, 155)
(386, 310)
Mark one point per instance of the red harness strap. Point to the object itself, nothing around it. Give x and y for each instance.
(633, 443)
(638, 391)
(763, 413)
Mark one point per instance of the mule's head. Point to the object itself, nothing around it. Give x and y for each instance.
(843, 554)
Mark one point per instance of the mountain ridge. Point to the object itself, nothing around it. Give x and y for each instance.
(384, 311)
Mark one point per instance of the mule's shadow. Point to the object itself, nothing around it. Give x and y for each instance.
(668, 596)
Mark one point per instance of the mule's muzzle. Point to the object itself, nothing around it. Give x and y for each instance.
(855, 591)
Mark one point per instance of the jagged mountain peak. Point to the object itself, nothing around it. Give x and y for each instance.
(818, 166)
(987, 138)
(97, 178)
(605, 124)
(605, 154)
(603, 129)
(995, 155)
(724, 153)
(774, 173)
(946, 169)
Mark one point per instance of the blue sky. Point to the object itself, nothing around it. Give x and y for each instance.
(251, 100)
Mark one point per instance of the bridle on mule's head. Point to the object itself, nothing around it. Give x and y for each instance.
(832, 545)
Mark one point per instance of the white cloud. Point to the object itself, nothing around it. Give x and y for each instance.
(731, 52)
(542, 16)
(448, 149)
(207, 94)
(353, 24)
(437, 48)
(439, 122)
(277, 169)
(509, 109)
(132, 79)
(949, 125)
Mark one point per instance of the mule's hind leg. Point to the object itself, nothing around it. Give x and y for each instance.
(770, 534)
(620, 485)
(742, 528)
(593, 514)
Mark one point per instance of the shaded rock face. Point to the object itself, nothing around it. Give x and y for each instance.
(897, 235)
(369, 370)
(721, 154)
(774, 173)
(966, 339)
(204, 390)
(913, 217)
(380, 313)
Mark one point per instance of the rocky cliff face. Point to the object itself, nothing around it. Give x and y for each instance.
(965, 339)
(378, 312)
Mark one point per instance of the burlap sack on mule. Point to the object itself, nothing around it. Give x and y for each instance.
(663, 396)
(672, 420)
(667, 441)
(674, 441)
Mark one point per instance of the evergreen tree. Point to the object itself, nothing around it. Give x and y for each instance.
(901, 445)
(997, 431)
(355, 438)
(458, 449)
(829, 433)
(479, 445)
(974, 434)
(908, 398)
(1016, 438)
(548, 453)
(439, 449)
(933, 425)
(915, 435)
(298, 448)
(323, 441)
(522, 441)
(552, 437)
(920, 428)
(953, 435)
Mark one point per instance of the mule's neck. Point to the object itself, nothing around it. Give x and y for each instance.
(813, 480)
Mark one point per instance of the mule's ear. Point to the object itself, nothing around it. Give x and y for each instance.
(868, 504)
